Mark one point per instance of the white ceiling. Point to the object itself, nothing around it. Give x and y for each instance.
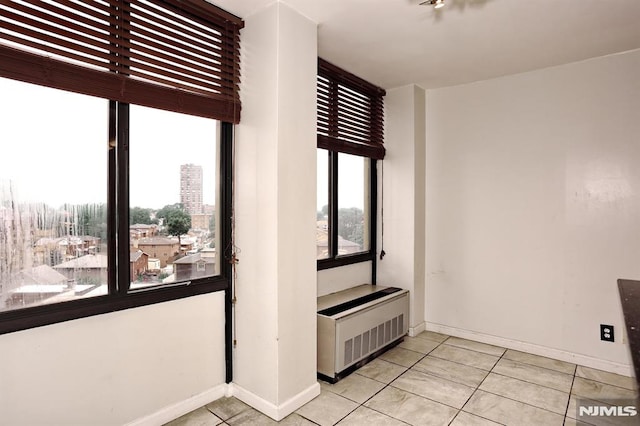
(392, 43)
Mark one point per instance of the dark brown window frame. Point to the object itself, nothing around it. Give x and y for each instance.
(120, 295)
(350, 121)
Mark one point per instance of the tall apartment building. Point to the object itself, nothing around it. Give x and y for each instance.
(191, 188)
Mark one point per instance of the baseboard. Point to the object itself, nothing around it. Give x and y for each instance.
(587, 361)
(276, 412)
(414, 331)
(181, 408)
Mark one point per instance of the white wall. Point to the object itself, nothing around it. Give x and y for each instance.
(115, 368)
(404, 198)
(275, 356)
(338, 279)
(533, 204)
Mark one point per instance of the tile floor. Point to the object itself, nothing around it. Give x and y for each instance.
(433, 379)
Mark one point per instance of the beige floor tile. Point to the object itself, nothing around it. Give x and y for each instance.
(410, 408)
(354, 387)
(591, 389)
(465, 356)
(423, 346)
(366, 416)
(459, 373)
(606, 377)
(432, 335)
(509, 412)
(327, 408)
(568, 421)
(434, 388)
(401, 356)
(466, 419)
(540, 361)
(381, 370)
(225, 408)
(531, 373)
(475, 346)
(253, 417)
(529, 393)
(199, 417)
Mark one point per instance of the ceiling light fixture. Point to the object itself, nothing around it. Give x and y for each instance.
(437, 4)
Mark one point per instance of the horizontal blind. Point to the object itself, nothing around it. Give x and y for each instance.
(177, 55)
(350, 113)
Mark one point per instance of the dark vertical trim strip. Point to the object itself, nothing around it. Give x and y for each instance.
(122, 206)
(373, 218)
(333, 204)
(111, 199)
(226, 192)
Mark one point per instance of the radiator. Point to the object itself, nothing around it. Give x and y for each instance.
(355, 325)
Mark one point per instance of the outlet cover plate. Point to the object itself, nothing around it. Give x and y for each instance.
(606, 333)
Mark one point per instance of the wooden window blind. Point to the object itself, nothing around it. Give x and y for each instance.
(350, 113)
(178, 55)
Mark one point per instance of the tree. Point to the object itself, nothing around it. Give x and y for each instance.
(140, 215)
(178, 223)
(351, 224)
(169, 209)
(323, 213)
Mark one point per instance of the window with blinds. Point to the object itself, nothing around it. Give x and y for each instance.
(350, 113)
(181, 56)
(350, 130)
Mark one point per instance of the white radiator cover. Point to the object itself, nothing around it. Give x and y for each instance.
(351, 334)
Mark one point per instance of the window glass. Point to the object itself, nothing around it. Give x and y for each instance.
(173, 197)
(353, 204)
(53, 195)
(322, 216)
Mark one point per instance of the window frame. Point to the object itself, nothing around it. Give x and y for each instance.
(335, 260)
(120, 296)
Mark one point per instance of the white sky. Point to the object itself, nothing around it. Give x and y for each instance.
(351, 179)
(54, 148)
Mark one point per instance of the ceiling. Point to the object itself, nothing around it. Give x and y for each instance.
(393, 43)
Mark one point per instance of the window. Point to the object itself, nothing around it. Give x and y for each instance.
(105, 106)
(350, 113)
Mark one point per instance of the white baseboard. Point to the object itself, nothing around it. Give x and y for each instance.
(276, 412)
(181, 408)
(414, 331)
(587, 361)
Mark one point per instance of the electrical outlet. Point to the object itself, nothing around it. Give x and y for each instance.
(606, 333)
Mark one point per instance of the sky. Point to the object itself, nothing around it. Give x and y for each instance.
(351, 178)
(55, 149)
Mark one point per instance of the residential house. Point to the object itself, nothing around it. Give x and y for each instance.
(138, 264)
(162, 248)
(32, 286)
(141, 230)
(89, 269)
(201, 264)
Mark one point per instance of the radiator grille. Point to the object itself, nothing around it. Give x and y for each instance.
(368, 342)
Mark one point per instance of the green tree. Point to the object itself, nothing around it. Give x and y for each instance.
(323, 213)
(169, 209)
(178, 223)
(351, 224)
(140, 215)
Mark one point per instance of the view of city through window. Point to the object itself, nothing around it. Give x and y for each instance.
(353, 205)
(53, 196)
